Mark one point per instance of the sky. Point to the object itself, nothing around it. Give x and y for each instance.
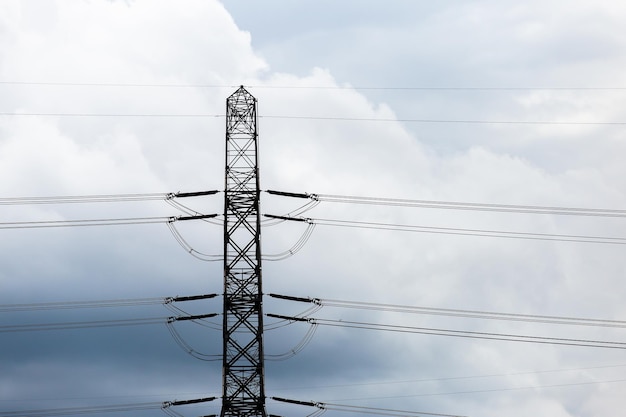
(488, 102)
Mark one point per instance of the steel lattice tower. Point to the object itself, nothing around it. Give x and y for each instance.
(243, 367)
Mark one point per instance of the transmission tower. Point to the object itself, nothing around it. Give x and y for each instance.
(243, 390)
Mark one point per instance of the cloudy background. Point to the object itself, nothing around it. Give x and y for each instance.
(116, 97)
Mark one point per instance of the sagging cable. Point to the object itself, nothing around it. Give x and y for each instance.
(187, 247)
(295, 248)
(180, 341)
(296, 349)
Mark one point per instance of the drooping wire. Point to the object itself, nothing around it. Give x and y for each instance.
(188, 248)
(187, 348)
(189, 211)
(181, 207)
(283, 322)
(295, 248)
(311, 204)
(170, 412)
(296, 349)
(317, 412)
(201, 322)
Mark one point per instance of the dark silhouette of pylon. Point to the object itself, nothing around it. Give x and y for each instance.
(243, 367)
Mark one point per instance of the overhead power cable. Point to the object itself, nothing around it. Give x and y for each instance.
(324, 118)
(362, 409)
(483, 391)
(442, 121)
(314, 87)
(468, 232)
(97, 323)
(70, 411)
(64, 305)
(83, 223)
(477, 314)
(463, 333)
(456, 378)
(455, 205)
(101, 198)
(99, 222)
(189, 249)
(381, 411)
(182, 343)
(124, 302)
(80, 325)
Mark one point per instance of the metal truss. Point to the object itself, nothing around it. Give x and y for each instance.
(243, 367)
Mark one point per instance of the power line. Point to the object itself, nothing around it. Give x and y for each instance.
(67, 411)
(44, 114)
(102, 198)
(534, 387)
(100, 222)
(470, 334)
(125, 302)
(81, 325)
(463, 232)
(456, 333)
(323, 118)
(73, 325)
(65, 305)
(455, 378)
(84, 223)
(361, 409)
(381, 411)
(301, 87)
(441, 121)
(478, 314)
(461, 205)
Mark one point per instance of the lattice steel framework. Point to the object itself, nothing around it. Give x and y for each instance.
(243, 368)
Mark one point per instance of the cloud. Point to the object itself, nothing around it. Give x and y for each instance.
(154, 48)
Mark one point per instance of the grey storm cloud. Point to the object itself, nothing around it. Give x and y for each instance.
(118, 97)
